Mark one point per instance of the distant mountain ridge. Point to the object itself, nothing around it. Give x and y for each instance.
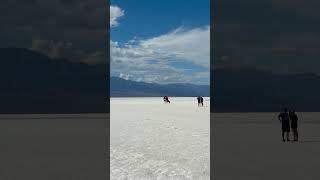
(125, 88)
(251, 90)
(31, 82)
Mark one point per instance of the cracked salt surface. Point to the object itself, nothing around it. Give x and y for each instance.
(153, 140)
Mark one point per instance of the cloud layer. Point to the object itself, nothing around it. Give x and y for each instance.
(281, 36)
(74, 30)
(155, 59)
(115, 13)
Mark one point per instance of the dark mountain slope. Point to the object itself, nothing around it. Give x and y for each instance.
(33, 83)
(252, 90)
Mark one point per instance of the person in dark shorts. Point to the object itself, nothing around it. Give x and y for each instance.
(294, 125)
(285, 123)
(201, 100)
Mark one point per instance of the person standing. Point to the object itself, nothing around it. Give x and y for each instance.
(285, 123)
(201, 100)
(294, 125)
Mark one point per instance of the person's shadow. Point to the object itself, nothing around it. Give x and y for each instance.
(311, 140)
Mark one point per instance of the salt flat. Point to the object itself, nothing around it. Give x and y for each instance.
(53, 146)
(248, 146)
(153, 140)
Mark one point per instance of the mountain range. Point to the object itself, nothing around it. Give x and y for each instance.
(31, 82)
(251, 90)
(125, 88)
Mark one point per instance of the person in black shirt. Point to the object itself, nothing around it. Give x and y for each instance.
(294, 125)
(201, 100)
(285, 123)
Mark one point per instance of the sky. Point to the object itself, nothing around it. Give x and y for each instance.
(168, 41)
(160, 41)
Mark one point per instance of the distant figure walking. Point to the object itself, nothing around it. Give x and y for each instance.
(294, 125)
(285, 123)
(199, 100)
(166, 99)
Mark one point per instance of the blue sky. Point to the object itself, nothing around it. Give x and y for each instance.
(160, 41)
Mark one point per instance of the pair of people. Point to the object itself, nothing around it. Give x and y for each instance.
(166, 99)
(285, 118)
(200, 100)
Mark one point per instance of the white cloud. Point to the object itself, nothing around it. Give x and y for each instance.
(115, 13)
(150, 59)
(189, 45)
